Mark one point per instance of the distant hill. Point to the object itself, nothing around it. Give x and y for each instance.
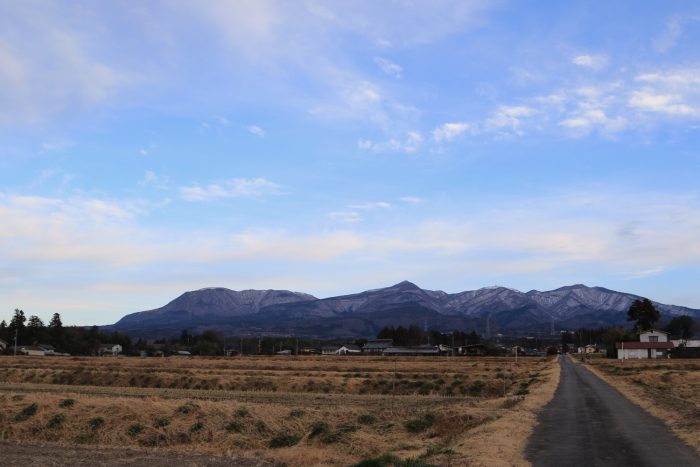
(487, 310)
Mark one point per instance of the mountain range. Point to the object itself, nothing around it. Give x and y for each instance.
(488, 310)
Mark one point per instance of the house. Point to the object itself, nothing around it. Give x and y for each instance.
(473, 349)
(329, 349)
(590, 348)
(109, 349)
(687, 343)
(47, 348)
(421, 350)
(345, 349)
(377, 346)
(652, 344)
(284, 352)
(349, 349)
(182, 353)
(31, 350)
(3, 345)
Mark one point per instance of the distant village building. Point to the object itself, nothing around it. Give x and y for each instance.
(377, 346)
(31, 350)
(345, 349)
(3, 345)
(688, 343)
(652, 344)
(110, 349)
(473, 349)
(421, 350)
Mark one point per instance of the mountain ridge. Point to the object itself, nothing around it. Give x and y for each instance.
(488, 309)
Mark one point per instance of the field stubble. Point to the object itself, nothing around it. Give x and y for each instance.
(298, 411)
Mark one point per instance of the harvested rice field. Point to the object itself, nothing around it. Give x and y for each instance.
(282, 410)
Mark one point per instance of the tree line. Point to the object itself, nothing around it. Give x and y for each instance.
(75, 340)
(414, 335)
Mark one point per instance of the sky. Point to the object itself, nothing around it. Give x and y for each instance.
(329, 147)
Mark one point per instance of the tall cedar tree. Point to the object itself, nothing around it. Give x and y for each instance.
(644, 313)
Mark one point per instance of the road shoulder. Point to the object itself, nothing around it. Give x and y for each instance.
(503, 441)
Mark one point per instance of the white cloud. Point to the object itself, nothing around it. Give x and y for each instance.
(47, 64)
(256, 130)
(154, 180)
(450, 131)
(673, 30)
(648, 101)
(371, 205)
(411, 199)
(410, 144)
(236, 188)
(594, 62)
(510, 118)
(344, 216)
(389, 68)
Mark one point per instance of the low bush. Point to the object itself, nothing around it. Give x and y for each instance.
(318, 428)
(26, 413)
(284, 440)
(161, 422)
(420, 424)
(56, 421)
(196, 427)
(96, 423)
(234, 427)
(366, 419)
(134, 429)
(65, 403)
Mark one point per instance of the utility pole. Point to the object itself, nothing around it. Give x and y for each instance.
(16, 329)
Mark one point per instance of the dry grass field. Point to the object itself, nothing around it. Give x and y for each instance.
(289, 410)
(666, 388)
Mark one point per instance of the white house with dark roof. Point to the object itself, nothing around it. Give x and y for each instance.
(652, 344)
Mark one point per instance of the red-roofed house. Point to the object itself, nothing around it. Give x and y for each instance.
(652, 344)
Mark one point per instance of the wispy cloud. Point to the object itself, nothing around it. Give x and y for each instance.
(673, 30)
(371, 205)
(152, 179)
(648, 101)
(411, 199)
(450, 131)
(594, 62)
(345, 216)
(411, 143)
(236, 188)
(256, 130)
(509, 118)
(388, 67)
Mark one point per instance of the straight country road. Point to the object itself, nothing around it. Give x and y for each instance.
(589, 423)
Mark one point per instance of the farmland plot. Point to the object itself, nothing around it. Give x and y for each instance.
(294, 410)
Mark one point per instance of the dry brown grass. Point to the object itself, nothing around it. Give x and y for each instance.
(472, 404)
(668, 389)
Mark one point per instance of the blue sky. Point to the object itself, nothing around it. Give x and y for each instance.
(329, 147)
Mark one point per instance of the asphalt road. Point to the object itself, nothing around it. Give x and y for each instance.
(588, 423)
